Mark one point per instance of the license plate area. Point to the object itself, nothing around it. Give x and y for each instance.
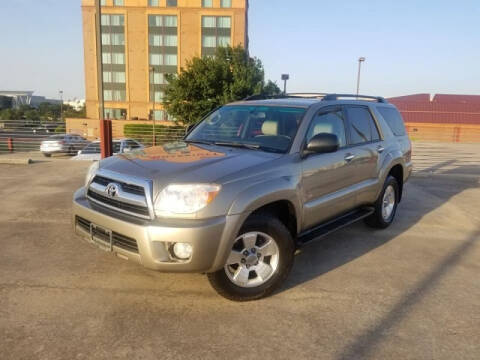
(101, 237)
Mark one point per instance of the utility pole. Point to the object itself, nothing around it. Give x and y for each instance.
(105, 125)
(152, 84)
(360, 60)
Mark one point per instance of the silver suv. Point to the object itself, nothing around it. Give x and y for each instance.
(247, 186)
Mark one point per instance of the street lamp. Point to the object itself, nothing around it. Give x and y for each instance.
(360, 60)
(285, 77)
(61, 105)
(152, 85)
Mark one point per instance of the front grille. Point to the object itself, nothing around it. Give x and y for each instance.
(141, 210)
(118, 240)
(130, 188)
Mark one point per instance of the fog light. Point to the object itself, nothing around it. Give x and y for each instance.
(182, 250)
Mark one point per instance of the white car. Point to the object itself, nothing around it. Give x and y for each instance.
(120, 146)
(63, 143)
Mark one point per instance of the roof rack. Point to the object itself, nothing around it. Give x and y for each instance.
(333, 97)
(322, 96)
(264, 97)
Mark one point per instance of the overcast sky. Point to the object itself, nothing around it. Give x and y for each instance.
(410, 46)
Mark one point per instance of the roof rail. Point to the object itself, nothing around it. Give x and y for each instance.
(312, 95)
(333, 97)
(264, 97)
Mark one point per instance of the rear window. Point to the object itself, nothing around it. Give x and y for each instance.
(394, 120)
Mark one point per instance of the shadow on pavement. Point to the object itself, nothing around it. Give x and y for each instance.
(337, 249)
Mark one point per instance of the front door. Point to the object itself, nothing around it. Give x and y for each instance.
(327, 179)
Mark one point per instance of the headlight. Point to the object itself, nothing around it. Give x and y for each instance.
(91, 172)
(185, 198)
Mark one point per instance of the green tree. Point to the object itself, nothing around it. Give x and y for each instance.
(209, 82)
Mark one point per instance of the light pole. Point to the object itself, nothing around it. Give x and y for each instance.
(285, 77)
(152, 84)
(61, 105)
(360, 60)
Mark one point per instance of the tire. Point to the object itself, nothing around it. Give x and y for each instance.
(71, 151)
(47, 155)
(390, 192)
(259, 230)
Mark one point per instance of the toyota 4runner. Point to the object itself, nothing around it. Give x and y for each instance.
(247, 186)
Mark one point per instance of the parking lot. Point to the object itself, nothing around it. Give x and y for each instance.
(409, 292)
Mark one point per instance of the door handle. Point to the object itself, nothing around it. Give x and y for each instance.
(380, 149)
(349, 157)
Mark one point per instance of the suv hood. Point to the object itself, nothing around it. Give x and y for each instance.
(187, 163)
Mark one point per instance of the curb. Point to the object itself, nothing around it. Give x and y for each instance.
(16, 161)
(432, 175)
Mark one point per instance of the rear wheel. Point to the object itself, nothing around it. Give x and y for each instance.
(385, 206)
(47, 155)
(259, 261)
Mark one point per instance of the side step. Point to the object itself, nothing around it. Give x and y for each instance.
(333, 225)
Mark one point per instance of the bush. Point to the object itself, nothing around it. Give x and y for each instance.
(144, 133)
(60, 129)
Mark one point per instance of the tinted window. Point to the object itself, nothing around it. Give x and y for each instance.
(393, 119)
(361, 125)
(330, 122)
(132, 144)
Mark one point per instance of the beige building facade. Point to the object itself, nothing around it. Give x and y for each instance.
(142, 40)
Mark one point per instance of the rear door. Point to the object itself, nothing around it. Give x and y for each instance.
(327, 179)
(365, 144)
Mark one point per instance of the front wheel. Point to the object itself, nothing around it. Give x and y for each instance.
(259, 261)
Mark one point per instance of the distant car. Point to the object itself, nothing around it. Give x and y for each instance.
(120, 146)
(63, 143)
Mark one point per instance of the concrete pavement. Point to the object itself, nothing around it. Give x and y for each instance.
(408, 292)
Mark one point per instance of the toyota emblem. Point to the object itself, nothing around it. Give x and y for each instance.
(112, 190)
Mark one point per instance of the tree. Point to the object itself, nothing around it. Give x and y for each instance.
(207, 83)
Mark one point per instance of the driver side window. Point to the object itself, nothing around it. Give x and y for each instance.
(330, 122)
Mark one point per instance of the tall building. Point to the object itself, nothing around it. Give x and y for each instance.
(142, 40)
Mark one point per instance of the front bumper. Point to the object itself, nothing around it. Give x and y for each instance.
(211, 239)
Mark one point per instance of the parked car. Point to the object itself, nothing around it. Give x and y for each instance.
(249, 184)
(63, 143)
(120, 146)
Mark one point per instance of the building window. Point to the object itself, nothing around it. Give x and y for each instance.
(115, 113)
(152, 2)
(226, 3)
(216, 32)
(207, 3)
(158, 96)
(171, 3)
(107, 95)
(113, 57)
(163, 50)
(118, 3)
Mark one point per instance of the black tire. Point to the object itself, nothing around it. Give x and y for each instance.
(47, 155)
(377, 220)
(273, 227)
(71, 151)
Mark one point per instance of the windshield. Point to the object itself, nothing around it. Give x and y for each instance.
(270, 128)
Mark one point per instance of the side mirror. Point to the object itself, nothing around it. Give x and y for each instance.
(322, 143)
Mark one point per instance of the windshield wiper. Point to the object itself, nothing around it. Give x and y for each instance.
(205, 142)
(237, 144)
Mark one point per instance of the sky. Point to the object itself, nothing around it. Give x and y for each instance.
(410, 46)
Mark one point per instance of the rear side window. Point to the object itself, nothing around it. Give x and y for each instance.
(393, 119)
(361, 125)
